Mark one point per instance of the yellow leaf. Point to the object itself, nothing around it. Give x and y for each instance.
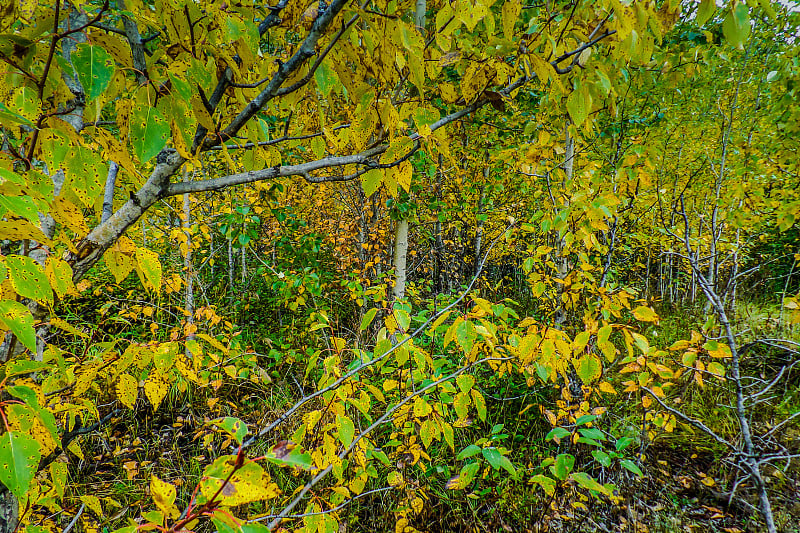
(23, 419)
(69, 215)
(66, 326)
(76, 449)
(164, 497)
(395, 478)
(59, 273)
(249, 483)
(149, 268)
(717, 369)
(120, 258)
(511, 11)
(21, 229)
(606, 387)
(93, 503)
(717, 350)
(155, 388)
(708, 481)
(645, 314)
(127, 390)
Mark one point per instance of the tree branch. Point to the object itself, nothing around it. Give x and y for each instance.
(306, 50)
(303, 169)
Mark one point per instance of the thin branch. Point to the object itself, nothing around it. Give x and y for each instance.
(691, 421)
(74, 519)
(332, 510)
(278, 140)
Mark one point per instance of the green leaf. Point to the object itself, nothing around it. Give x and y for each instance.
(234, 426)
(589, 368)
(347, 429)
(21, 206)
(16, 317)
(28, 279)
(469, 451)
(579, 103)
(465, 335)
(557, 433)
(563, 466)
(403, 319)
(326, 79)
(716, 368)
(94, 68)
(287, 453)
(86, 174)
(498, 460)
(736, 26)
(622, 443)
(46, 418)
(586, 481)
(464, 477)
(369, 316)
(24, 366)
(592, 433)
(148, 132)
(7, 116)
(371, 180)
(465, 382)
(602, 457)
(705, 11)
(19, 460)
(630, 465)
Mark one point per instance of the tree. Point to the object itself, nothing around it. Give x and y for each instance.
(110, 110)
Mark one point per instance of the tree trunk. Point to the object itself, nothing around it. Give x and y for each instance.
(108, 193)
(562, 263)
(231, 266)
(187, 261)
(480, 224)
(419, 16)
(400, 251)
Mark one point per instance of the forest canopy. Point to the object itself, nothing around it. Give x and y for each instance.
(404, 266)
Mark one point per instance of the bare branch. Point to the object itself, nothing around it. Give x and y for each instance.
(332, 510)
(279, 140)
(693, 422)
(303, 169)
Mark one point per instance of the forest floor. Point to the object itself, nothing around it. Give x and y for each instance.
(675, 494)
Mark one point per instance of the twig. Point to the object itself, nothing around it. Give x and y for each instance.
(75, 519)
(332, 510)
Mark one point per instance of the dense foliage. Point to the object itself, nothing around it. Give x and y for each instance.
(395, 265)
